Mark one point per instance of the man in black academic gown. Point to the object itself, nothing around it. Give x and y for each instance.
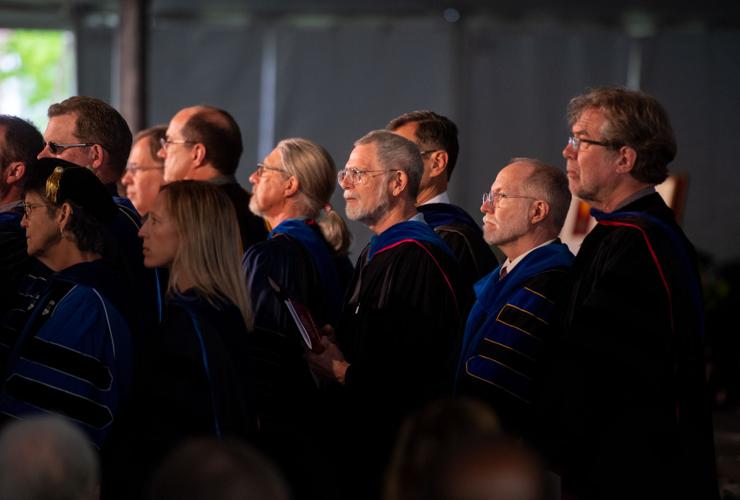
(204, 143)
(436, 136)
(625, 398)
(404, 311)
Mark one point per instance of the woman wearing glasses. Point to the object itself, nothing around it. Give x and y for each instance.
(73, 355)
(195, 370)
(145, 170)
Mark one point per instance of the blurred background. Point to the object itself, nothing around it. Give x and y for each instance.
(332, 70)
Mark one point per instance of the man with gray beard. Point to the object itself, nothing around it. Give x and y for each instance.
(401, 322)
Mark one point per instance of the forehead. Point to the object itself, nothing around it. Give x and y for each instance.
(61, 125)
(511, 176)
(589, 122)
(179, 120)
(408, 130)
(32, 196)
(362, 156)
(273, 159)
(140, 151)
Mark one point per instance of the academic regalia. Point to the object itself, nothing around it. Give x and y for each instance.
(300, 261)
(506, 331)
(195, 379)
(464, 237)
(399, 330)
(625, 401)
(252, 228)
(73, 356)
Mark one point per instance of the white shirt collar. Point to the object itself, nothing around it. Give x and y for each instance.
(510, 264)
(440, 198)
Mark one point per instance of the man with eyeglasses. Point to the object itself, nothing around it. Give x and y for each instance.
(89, 132)
(403, 314)
(144, 171)
(204, 143)
(625, 405)
(509, 324)
(436, 136)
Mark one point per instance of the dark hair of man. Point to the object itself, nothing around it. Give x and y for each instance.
(633, 119)
(98, 123)
(217, 130)
(205, 469)
(153, 136)
(78, 187)
(397, 153)
(551, 183)
(433, 131)
(22, 142)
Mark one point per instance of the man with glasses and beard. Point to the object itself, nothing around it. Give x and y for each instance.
(404, 310)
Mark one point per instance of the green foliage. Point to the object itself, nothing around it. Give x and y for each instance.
(41, 65)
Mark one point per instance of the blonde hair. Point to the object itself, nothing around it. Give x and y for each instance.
(314, 168)
(210, 246)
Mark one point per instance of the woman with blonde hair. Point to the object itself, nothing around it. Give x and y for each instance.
(194, 377)
(305, 256)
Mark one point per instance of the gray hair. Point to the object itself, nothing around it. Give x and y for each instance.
(396, 152)
(44, 458)
(551, 184)
(316, 172)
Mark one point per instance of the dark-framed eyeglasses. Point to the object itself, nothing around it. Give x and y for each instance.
(261, 167)
(166, 143)
(133, 168)
(575, 143)
(490, 200)
(357, 176)
(58, 148)
(28, 208)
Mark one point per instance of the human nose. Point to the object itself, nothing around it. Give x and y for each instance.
(162, 153)
(569, 152)
(127, 178)
(144, 230)
(254, 177)
(44, 153)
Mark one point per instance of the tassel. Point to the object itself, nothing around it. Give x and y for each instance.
(52, 185)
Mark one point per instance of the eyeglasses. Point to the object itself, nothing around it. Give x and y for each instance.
(575, 143)
(168, 142)
(262, 167)
(428, 151)
(28, 208)
(57, 148)
(357, 176)
(132, 168)
(494, 199)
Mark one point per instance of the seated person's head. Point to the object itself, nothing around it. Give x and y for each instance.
(428, 438)
(217, 470)
(494, 468)
(145, 168)
(46, 458)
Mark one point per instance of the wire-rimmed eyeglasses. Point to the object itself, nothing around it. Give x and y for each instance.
(166, 143)
(261, 167)
(357, 176)
(490, 200)
(28, 208)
